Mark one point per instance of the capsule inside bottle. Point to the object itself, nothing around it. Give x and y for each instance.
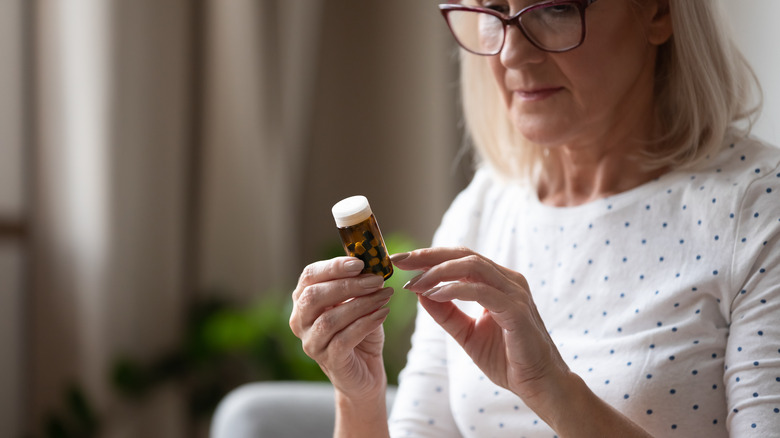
(360, 235)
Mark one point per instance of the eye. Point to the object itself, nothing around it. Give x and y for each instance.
(563, 10)
(497, 6)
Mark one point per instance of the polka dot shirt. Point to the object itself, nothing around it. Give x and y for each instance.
(665, 299)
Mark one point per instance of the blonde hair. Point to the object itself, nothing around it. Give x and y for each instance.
(703, 87)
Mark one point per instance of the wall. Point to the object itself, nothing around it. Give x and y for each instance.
(11, 209)
(757, 33)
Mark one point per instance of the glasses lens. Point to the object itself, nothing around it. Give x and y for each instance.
(555, 28)
(477, 32)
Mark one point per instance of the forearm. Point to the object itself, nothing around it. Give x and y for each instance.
(573, 411)
(361, 418)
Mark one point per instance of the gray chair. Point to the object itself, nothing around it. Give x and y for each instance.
(278, 409)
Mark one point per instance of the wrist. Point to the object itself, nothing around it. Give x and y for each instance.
(573, 400)
(555, 398)
(572, 409)
(358, 400)
(360, 416)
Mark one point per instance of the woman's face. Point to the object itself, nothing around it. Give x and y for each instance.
(595, 93)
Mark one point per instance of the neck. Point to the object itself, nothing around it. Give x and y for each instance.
(575, 176)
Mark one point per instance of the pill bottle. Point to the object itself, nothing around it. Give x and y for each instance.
(360, 235)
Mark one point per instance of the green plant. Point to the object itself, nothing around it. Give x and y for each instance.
(77, 419)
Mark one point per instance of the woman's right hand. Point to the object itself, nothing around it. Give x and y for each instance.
(338, 314)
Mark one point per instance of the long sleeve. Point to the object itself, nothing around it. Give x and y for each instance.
(752, 374)
(422, 407)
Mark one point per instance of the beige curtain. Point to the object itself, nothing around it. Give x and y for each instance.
(260, 79)
(184, 149)
(112, 124)
(12, 218)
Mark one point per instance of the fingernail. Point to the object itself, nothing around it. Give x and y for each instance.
(430, 292)
(371, 282)
(354, 265)
(381, 313)
(409, 284)
(387, 292)
(400, 256)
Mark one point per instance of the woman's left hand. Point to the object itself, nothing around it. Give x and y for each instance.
(508, 341)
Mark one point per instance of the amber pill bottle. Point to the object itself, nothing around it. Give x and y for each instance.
(360, 235)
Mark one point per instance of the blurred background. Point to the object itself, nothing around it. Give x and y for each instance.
(167, 168)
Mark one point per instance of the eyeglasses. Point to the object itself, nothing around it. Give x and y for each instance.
(553, 26)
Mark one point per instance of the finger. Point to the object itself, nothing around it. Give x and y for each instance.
(427, 258)
(494, 300)
(449, 317)
(326, 270)
(463, 328)
(471, 268)
(454, 321)
(317, 298)
(330, 323)
(348, 339)
(424, 259)
(511, 313)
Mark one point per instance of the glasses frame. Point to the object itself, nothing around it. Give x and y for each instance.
(445, 10)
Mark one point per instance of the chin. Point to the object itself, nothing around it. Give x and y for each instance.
(545, 125)
(538, 127)
(543, 136)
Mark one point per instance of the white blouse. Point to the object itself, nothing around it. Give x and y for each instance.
(665, 299)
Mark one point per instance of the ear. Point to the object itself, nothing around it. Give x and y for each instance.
(659, 21)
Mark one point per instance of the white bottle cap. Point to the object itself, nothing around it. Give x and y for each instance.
(351, 211)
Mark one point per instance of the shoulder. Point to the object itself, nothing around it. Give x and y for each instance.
(757, 183)
(762, 164)
(751, 183)
(744, 169)
(740, 185)
(743, 161)
(749, 170)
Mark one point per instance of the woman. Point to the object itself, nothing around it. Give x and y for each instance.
(611, 270)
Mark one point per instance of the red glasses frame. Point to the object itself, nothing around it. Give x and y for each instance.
(445, 9)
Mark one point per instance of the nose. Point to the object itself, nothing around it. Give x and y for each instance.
(517, 50)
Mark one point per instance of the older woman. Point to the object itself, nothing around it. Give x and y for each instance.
(612, 269)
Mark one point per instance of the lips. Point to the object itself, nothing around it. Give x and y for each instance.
(536, 94)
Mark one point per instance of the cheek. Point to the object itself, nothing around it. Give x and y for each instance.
(586, 78)
(603, 78)
(498, 72)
